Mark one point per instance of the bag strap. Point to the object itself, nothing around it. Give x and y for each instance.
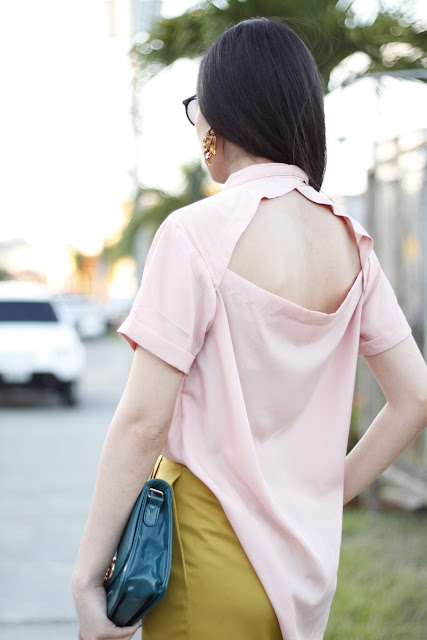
(156, 467)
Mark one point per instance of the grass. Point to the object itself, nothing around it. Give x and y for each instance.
(382, 578)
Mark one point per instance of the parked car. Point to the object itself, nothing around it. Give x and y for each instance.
(37, 348)
(116, 310)
(86, 315)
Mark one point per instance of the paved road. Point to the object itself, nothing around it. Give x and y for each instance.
(49, 456)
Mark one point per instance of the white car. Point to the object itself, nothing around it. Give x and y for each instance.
(37, 348)
(85, 314)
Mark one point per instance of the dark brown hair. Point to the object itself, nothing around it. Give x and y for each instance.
(259, 87)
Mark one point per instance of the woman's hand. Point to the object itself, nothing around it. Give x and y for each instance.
(91, 607)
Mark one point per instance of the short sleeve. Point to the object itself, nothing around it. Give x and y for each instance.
(383, 323)
(176, 300)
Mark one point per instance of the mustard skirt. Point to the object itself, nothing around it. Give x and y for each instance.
(213, 592)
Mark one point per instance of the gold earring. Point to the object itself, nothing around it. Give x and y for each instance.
(209, 145)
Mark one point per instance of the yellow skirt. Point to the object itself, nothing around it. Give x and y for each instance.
(214, 592)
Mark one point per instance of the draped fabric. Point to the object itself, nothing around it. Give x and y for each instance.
(263, 413)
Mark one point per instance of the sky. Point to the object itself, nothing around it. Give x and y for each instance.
(68, 153)
(66, 137)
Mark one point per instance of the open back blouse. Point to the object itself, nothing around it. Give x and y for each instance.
(263, 413)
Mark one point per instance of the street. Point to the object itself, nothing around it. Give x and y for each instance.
(49, 455)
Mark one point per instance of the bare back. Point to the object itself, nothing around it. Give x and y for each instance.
(298, 250)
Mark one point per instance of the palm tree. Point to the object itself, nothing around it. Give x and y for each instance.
(392, 40)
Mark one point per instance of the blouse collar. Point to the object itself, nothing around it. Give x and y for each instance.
(264, 170)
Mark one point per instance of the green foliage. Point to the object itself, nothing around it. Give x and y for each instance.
(151, 216)
(79, 258)
(331, 31)
(382, 578)
(353, 435)
(5, 275)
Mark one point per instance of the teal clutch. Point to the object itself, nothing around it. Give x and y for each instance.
(138, 575)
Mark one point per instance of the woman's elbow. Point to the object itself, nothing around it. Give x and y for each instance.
(152, 432)
(146, 429)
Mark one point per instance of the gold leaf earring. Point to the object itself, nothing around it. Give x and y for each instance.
(209, 145)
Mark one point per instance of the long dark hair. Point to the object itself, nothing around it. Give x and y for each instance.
(259, 87)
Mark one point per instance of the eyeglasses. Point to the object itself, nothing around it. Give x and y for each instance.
(191, 107)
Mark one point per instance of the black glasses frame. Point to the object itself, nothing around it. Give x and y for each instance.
(186, 102)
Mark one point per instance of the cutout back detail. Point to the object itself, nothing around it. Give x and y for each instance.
(303, 252)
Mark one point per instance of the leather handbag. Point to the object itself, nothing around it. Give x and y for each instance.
(138, 575)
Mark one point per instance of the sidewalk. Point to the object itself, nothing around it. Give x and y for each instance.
(49, 457)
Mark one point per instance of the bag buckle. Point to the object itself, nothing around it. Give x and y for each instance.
(152, 509)
(155, 491)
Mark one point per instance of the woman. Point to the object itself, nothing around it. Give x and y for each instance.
(253, 307)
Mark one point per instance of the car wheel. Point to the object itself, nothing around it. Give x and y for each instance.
(68, 392)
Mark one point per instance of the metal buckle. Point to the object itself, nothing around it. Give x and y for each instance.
(155, 491)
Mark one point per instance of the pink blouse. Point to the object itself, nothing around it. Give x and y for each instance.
(263, 415)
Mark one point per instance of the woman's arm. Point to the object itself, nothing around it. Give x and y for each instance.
(402, 374)
(127, 458)
(389, 435)
(133, 443)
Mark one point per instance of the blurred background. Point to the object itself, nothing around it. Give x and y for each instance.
(95, 152)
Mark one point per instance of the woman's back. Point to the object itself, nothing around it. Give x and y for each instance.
(298, 250)
(264, 294)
